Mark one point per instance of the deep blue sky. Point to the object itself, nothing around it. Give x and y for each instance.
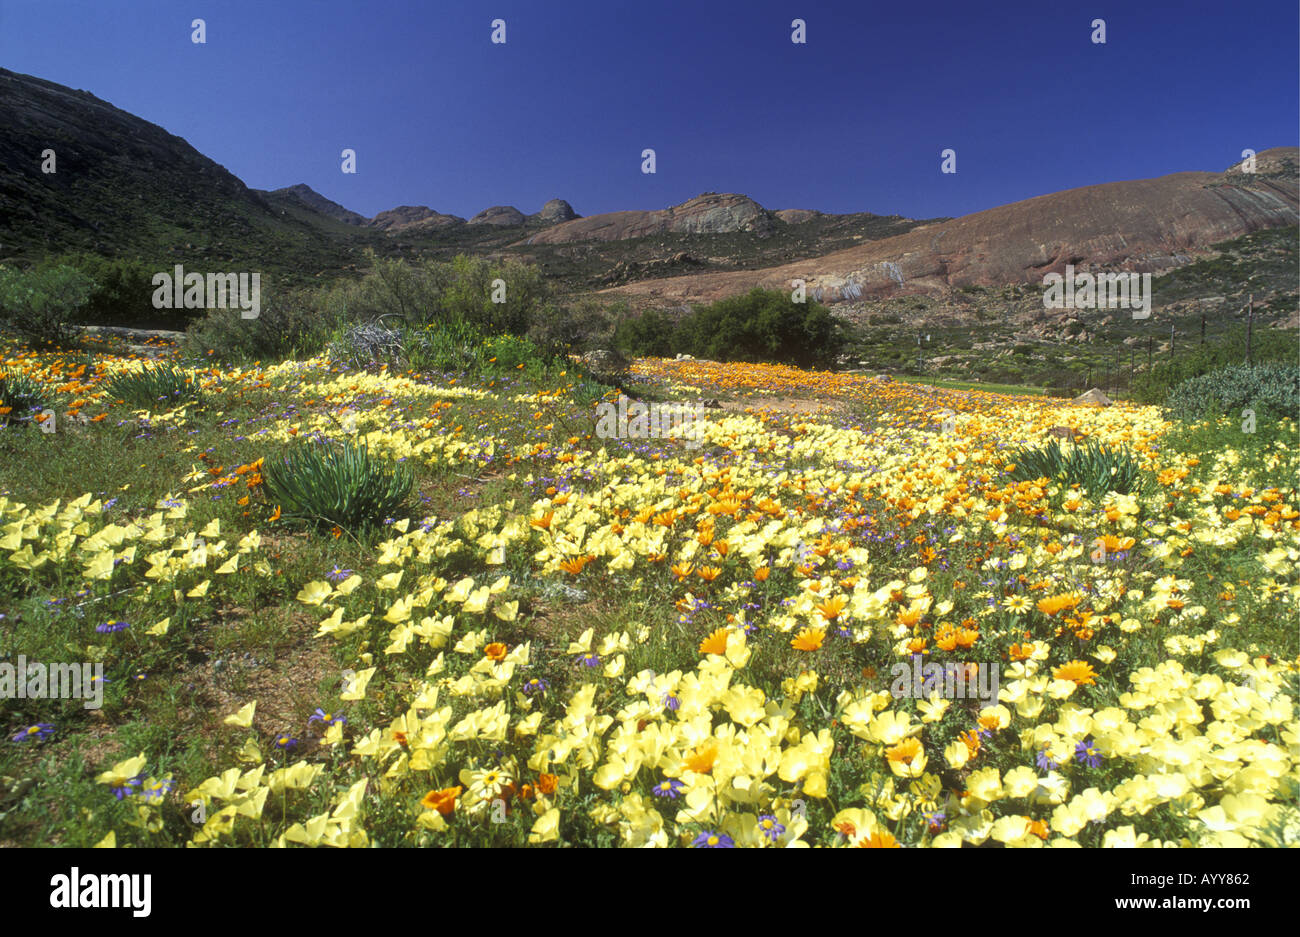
(852, 121)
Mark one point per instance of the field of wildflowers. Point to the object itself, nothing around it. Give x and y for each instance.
(562, 639)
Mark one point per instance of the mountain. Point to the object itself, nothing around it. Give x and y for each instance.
(1143, 225)
(709, 213)
(306, 195)
(413, 218)
(127, 187)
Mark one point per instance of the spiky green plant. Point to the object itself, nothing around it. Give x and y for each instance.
(22, 396)
(1094, 467)
(338, 484)
(156, 387)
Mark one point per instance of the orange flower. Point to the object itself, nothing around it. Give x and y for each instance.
(443, 801)
(337, 532)
(831, 608)
(682, 570)
(1021, 651)
(495, 651)
(715, 643)
(1039, 828)
(709, 573)
(543, 522)
(761, 574)
(1079, 672)
(547, 783)
(881, 840)
(971, 740)
(808, 639)
(276, 515)
(1056, 603)
(575, 565)
(701, 760)
(905, 751)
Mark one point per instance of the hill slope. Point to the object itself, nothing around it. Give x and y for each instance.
(1144, 225)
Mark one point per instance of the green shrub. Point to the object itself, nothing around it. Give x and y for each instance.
(290, 325)
(44, 305)
(573, 328)
(1268, 346)
(443, 347)
(122, 294)
(333, 484)
(1094, 467)
(441, 292)
(652, 334)
(761, 325)
(22, 396)
(1264, 388)
(155, 387)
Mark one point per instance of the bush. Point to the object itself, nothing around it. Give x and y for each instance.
(122, 294)
(21, 398)
(1094, 467)
(652, 334)
(44, 305)
(292, 324)
(1268, 346)
(444, 292)
(336, 484)
(761, 325)
(147, 388)
(369, 343)
(764, 325)
(573, 328)
(1263, 388)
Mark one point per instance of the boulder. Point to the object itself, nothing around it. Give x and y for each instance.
(1092, 398)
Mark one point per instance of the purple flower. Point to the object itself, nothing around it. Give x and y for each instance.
(1085, 753)
(285, 742)
(589, 660)
(672, 702)
(535, 685)
(669, 788)
(935, 819)
(769, 827)
(338, 575)
(109, 627)
(158, 789)
(325, 718)
(711, 840)
(40, 732)
(1045, 762)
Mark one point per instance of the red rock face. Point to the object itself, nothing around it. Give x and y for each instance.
(706, 214)
(1146, 225)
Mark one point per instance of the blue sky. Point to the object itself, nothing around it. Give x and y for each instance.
(853, 120)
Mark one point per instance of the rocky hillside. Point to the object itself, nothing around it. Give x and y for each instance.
(709, 213)
(1146, 225)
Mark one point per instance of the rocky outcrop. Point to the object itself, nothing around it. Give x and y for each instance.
(556, 211)
(797, 215)
(709, 213)
(413, 218)
(1146, 225)
(503, 215)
